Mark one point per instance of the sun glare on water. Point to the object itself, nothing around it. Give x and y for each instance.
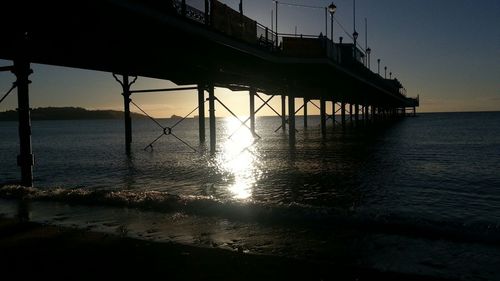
(238, 158)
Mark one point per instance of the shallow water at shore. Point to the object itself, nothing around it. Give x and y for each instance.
(417, 195)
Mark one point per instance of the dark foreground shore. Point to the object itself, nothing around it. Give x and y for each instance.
(30, 250)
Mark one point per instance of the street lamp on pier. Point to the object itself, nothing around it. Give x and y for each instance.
(331, 8)
(378, 67)
(385, 72)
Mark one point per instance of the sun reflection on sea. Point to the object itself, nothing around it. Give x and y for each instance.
(239, 160)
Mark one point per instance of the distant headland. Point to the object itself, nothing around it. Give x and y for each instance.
(67, 113)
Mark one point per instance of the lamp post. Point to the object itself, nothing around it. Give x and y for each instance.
(276, 20)
(368, 51)
(331, 8)
(390, 75)
(378, 67)
(385, 72)
(355, 37)
(241, 7)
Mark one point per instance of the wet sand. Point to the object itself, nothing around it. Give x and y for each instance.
(42, 252)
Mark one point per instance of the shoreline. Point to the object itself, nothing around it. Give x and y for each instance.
(52, 252)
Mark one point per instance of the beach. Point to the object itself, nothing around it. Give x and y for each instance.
(44, 252)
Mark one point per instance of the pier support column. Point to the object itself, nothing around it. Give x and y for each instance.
(126, 111)
(283, 112)
(25, 158)
(306, 101)
(367, 115)
(342, 113)
(211, 110)
(322, 107)
(351, 113)
(333, 112)
(291, 119)
(252, 93)
(201, 112)
(372, 109)
(356, 112)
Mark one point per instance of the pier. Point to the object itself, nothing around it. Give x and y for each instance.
(197, 50)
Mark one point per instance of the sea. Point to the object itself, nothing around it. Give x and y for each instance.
(417, 195)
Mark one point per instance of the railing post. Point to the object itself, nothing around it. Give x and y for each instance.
(201, 112)
(267, 37)
(25, 159)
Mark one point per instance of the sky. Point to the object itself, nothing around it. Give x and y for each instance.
(445, 51)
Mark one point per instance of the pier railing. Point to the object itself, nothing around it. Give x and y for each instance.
(221, 18)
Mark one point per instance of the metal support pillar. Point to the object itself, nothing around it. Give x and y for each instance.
(372, 108)
(333, 112)
(356, 112)
(351, 112)
(126, 83)
(128, 119)
(342, 113)
(414, 111)
(305, 112)
(252, 110)
(211, 110)
(367, 116)
(25, 158)
(283, 112)
(291, 119)
(322, 107)
(201, 112)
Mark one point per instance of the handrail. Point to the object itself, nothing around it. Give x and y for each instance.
(272, 41)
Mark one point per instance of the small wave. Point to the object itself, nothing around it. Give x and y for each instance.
(281, 214)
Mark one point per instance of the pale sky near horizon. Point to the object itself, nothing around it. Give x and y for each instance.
(446, 51)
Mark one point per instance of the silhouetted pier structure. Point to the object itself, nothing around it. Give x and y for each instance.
(207, 47)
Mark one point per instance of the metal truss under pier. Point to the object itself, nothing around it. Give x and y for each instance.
(214, 46)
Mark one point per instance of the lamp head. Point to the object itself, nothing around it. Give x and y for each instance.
(332, 8)
(355, 35)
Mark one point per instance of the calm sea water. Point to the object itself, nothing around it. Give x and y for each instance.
(419, 195)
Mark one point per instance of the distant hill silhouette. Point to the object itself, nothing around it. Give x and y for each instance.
(67, 113)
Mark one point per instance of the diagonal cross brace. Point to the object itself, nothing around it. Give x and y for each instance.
(14, 85)
(234, 115)
(166, 130)
(296, 111)
(256, 111)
